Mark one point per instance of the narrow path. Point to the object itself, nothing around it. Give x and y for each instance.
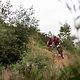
(58, 59)
(60, 62)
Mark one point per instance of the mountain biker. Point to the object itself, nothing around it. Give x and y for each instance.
(57, 43)
(49, 42)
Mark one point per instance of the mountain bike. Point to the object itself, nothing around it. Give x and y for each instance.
(60, 50)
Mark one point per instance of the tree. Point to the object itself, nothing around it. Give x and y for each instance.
(74, 9)
(67, 38)
(65, 31)
(5, 11)
(14, 33)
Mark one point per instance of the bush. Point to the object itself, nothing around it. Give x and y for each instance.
(36, 67)
(13, 44)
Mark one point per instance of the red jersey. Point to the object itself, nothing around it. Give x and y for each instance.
(56, 40)
(50, 41)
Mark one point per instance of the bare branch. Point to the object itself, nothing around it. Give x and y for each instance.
(67, 5)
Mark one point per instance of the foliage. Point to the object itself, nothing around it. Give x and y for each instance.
(36, 67)
(72, 72)
(67, 38)
(42, 39)
(11, 46)
(65, 31)
(14, 32)
(73, 8)
(16, 28)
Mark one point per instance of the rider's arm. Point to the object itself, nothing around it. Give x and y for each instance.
(60, 40)
(53, 43)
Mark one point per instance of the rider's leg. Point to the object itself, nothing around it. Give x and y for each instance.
(60, 51)
(62, 55)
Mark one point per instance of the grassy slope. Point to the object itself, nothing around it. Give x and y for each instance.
(43, 49)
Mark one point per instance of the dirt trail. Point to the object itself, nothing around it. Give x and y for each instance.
(60, 62)
(58, 59)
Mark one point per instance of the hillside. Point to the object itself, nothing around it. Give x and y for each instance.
(51, 54)
(38, 61)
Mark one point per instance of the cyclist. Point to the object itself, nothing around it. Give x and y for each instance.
(49, 42)
(57, 43)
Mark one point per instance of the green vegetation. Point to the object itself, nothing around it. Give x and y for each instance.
(68, 40)
(24, 52)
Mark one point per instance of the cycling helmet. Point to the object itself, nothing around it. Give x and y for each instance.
(54, 36)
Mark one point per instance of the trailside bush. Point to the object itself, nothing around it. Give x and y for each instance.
(12, 45)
